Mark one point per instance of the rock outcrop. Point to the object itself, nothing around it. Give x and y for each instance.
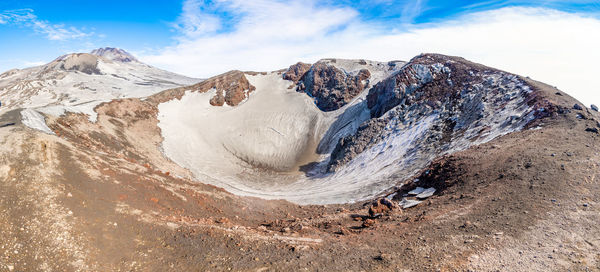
(461, 102)
(382, 206)
(296, 72)
(230, 88)
(330, 86)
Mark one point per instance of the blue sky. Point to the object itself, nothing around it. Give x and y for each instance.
(149, 26)
(554, 41)
(132, 25)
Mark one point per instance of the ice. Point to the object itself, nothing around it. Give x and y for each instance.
(408, 203)
(416, 191)
(35, 120)
(426, 193)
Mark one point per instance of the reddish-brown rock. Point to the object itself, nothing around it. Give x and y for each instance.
(368, 223)
(382, 206)
(296, 71)
(231, 89)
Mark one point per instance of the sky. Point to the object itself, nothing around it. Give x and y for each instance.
(553, 41)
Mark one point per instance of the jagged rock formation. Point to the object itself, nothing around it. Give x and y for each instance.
(469, 103)
(331, 87)
(230, 88)
(333, 83)
(296, 72)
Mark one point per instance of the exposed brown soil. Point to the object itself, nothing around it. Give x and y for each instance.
(101, 197)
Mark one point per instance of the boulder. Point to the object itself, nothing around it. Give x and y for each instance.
(368, 223)
(594, 107)
(577, 107)
(218, 99)
(230, 88)
(382, 206)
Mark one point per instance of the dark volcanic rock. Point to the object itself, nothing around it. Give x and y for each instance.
(331, 87)
(382, 206)
(296, 71)
(350, 146)
(453, 94)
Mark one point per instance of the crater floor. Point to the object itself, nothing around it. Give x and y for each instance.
(277, 144)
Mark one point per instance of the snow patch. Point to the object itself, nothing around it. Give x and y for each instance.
(35, 120)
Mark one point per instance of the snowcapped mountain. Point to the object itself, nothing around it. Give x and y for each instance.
(115, 54)
(78, 82)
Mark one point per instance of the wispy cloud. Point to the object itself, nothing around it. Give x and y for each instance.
(411, 10)
(549, 45)
(196, 21)
(266, 33)
(27, 18)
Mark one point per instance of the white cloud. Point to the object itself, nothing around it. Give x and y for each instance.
(33, 63)
(554, 47)
(268, 34)
(194, 21)
(26, 18)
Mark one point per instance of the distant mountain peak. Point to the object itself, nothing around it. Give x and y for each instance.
(115, 54)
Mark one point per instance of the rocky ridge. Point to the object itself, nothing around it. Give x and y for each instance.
(333, 83)
(469, 103)
(230, 88)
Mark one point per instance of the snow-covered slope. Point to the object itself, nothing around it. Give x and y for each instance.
(79, 82)
(280, 145)
(115, 54)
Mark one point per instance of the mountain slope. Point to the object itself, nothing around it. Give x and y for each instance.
(513, 163)
(79, 82)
